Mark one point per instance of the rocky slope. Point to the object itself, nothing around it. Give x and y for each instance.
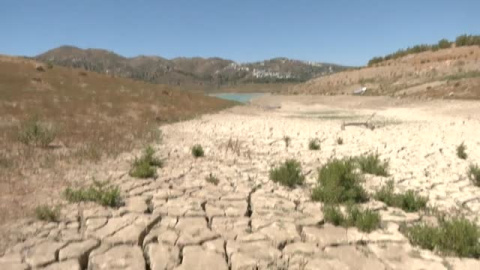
(196, 73)
(446, 73)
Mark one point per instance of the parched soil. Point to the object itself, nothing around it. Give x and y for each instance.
(180, 221)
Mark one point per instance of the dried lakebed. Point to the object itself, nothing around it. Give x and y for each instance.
(180, 221)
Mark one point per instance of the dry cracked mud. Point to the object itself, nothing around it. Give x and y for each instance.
(180, 221)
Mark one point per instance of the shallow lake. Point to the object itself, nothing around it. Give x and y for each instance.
(240, 97)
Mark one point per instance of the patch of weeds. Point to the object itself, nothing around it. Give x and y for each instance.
(474, 174)
(456, 236)
(47, 213)
(372, 164)
(212, 179)
(409, 201)
(99, 192)
(314, 144)
(365, 220)
(287, 141)
(333, 214)
(338, 182)
(36, 133)
(288, 174)
(339, 141)
(197, 151)
(144, 167)
(461, 151)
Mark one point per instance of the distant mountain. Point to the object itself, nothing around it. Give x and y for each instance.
(191, 72)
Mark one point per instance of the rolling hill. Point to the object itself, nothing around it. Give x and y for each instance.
(452, 72)
(189, 73)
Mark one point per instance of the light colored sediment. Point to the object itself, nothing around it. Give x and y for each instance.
(179, 221)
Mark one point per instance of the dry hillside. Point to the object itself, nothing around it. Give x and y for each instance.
(206, 74)
(447, 73)
(95, 117)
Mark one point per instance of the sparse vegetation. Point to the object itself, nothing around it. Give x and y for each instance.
(474, 174)
(314, 144)
(212, 179)
(372, 164)
(365, 220)
(100, 192)
(288, 174)
(47, 213)
(408, 201)
(145, 166)
(197, 151)
(456, 236)
(463, 40)
(338, 182)
(36, 133)
(461, 151)
(339, 141)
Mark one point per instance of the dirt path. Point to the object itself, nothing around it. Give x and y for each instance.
(179, 221)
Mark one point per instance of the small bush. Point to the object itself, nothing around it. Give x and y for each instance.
(364, 220)
(288, 174)
(457, 236)
(373, 165)
(474, 174)
(339, 141)
(99, 192)
(461, 151)
(333, 214)
(144, 167)
(197, 151)
(212, 179)
(339, 182)
(287, 140)
(33, 132)
(314, 144)
(46, 213)
(408, 201)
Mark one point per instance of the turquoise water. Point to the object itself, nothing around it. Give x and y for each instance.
(240, 97)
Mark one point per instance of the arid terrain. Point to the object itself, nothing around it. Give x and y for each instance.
(94, 117)
(452, 73)
(181, 220)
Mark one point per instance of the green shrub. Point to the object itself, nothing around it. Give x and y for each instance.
(46, 213)
(365, 220)
(314, 144)
(333, 214)
(474, 174)
(212, 179)
(144, 167)
(339, 141)
(372, 164)
(339, 182)
(408, 201)
(33, 132)
(444, 44)
(457, 236)
(288, 174)
(197, 151)
(99, 192)
(461, 151)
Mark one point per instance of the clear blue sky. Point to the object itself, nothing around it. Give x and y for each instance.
(340, 31)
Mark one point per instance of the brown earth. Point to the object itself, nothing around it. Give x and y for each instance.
(96, 117)
(447, 73)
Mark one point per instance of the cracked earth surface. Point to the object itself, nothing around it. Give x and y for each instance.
(180, 221)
